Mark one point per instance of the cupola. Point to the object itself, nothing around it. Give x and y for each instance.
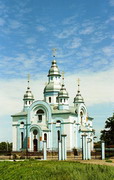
(28, 97)
(78, 98)
(63, 97)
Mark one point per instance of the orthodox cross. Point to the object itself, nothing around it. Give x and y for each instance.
(62, 77)
(78, 85)
(54, 52)
(28, 77)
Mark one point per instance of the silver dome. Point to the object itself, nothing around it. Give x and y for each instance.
(54, 69)
(28, 95)
(63, 92)
(52, 86)
(78, 98)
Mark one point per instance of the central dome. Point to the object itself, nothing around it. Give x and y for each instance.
(54, 69)
(52, 87)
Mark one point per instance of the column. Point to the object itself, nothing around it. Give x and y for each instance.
(59, 150)
(84, 146)
(103, 150)
(44, 150)
(64, 152)
(89, 148)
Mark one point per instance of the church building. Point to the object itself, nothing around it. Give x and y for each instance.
(48, 119)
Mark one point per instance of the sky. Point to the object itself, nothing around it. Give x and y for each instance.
(82, 31)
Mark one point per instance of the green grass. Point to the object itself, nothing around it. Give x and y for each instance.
(44, 170)
(108, 160)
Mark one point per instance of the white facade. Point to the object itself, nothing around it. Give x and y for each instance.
(50, 118)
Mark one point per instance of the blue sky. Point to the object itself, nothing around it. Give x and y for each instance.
(82, 31)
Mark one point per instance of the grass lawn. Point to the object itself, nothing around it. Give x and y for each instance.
(63, 170)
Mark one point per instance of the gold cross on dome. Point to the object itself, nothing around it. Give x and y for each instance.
(28, 77)
(78, 81)
(54, 52)
(78, 84)
(63, 74)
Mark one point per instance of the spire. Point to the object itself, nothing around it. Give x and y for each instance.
(78, 98)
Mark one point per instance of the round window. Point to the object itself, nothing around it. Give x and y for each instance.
(35, 132)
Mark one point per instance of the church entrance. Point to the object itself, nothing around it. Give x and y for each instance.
(35, 144)
(35, 141)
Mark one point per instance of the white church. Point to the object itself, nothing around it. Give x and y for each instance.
(48, 119)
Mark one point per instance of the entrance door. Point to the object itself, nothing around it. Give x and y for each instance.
(35, 143)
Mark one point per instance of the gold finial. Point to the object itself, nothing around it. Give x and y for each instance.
(78, 85)
(54, 52)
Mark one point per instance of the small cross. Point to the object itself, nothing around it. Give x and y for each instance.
(78, 81)
(63, 76)
(78, 84)
(54, 52)
(28, 77)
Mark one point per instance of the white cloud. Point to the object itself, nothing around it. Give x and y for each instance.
(75, 43)
(69, 20)
(14, 24)
(96, 87)
(65, 33)
(2, 21)
(30, 40)
(111, 2)
(108, 50)
(87, 30)
(41, 28)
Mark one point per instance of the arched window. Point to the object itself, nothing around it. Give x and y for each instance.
(49, 99)
(58, 123)
(40, 113)
(45, 137)
(58, 135)
(81, 115)
(22, 124)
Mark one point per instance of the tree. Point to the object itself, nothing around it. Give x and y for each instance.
(108, 133)
(5, 146)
